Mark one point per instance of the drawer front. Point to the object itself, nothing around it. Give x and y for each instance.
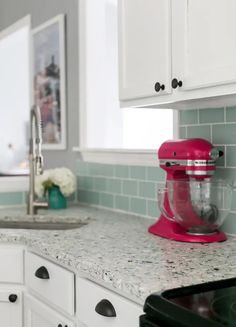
(50, 281)
(11, 265)
(37, 314)
(90, 295)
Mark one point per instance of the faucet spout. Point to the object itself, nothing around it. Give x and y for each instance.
(35, 159)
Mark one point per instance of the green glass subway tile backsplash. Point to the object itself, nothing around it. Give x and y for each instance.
(188, 117)
(129, 188)
(203, 131)
(219, 127)
(231, 114)
(207, 116)
(11, 198)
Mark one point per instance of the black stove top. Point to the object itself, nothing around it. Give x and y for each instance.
(209, 304)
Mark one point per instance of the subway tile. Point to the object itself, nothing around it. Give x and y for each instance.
(89, 197)
(137, 172)
(233, 203)
(224, 134)
(81, 182)
(138, 206)
(130, 187)
(229, 225)
(147, 189)
(106, 200)
(211, 115)
(81, 168)
(11, 198)
(155, 174)
(227, 174)
(182, 132)
(203, 131)
(93, 169)
(188, 117)
(121, 171)
(99, 184)
(107, 170)
(152, 209)
(231, 156)
(220, 162)
(82, 196)
(231, 114)
(114, 186)
(122, 202)
(88, 183)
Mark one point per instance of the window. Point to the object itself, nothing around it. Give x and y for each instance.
(104, 124)
(15, 105)
(14, 99)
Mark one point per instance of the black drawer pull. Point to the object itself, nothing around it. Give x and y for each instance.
(105, 308)
(12, 298)
(42, 273)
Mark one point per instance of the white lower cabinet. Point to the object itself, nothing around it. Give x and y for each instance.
(100, 307)
(38, 314)
(53, 297)
(11, 286)
(10, 308)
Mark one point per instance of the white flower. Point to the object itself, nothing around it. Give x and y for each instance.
(62, 177)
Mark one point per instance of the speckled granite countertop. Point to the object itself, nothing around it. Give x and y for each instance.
(116, 251)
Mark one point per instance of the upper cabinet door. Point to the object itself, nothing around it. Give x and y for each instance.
(144, 48)
(204, 47)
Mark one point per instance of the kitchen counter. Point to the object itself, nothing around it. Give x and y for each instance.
(116, 251)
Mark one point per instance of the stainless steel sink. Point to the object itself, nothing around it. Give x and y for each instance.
(45, 225)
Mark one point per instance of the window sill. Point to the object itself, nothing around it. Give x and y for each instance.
(14, 184)
(119, 156)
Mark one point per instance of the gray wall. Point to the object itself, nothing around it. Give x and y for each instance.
(41, 11)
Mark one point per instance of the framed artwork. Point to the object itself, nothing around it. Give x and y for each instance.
(48, 65)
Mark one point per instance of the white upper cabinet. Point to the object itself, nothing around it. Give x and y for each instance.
(187, 45)
(144, 48)
(204, 44)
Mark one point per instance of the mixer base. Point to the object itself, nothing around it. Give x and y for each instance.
(173, 231)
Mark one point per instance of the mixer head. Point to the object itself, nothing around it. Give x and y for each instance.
(192, 157)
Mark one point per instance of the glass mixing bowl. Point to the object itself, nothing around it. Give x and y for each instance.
(200, 206)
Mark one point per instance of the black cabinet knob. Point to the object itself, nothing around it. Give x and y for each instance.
(42, 273)
(105, 308)
(60, 325)
(175, 83)
(159, 87)
(12, 298)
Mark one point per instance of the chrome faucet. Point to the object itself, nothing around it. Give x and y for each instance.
(35, 159)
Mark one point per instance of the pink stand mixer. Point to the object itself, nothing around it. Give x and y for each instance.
(192, 205)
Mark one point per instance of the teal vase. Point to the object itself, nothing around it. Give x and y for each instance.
(56, 199)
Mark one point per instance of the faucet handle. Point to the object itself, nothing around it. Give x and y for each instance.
(38, 165)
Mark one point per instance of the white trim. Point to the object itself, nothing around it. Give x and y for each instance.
(60, 20)
(175, 124)
(119, 156)
(82, 72)
(14, 184)
(26, 21)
